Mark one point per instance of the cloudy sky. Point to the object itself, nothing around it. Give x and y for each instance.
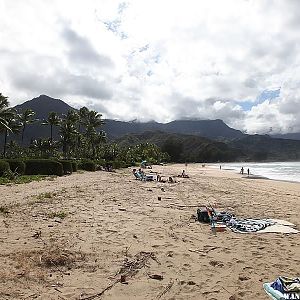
(236, 60)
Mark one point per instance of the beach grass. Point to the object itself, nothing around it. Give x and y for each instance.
(24, 179)
(57, 214)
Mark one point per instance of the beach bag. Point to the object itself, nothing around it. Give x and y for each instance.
(202, 216)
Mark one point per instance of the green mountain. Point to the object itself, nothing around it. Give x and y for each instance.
(42, 105)
(214, 129)
(185, 148)
(193, 148)
(266, 148)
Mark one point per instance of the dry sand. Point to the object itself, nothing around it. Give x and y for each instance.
(72, 237)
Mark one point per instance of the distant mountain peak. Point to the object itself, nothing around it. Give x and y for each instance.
(44, 104)
(44, 97)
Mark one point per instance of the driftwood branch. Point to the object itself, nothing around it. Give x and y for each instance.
(165, 290)
(100, 293)
(129, 269)
(177, 206)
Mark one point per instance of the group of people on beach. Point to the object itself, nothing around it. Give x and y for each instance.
(140, 174)
(242, 171)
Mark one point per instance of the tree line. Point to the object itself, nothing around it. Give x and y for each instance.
(80, 137)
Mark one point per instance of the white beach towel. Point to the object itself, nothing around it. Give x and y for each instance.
(277, 228)
(280, 226)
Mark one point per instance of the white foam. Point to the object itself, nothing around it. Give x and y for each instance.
(289, 171)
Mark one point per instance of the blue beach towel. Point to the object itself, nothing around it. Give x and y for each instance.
(279, 295)
(273, 294)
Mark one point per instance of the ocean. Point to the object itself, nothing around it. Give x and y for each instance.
(289, 171)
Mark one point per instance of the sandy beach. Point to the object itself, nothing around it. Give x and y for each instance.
(74, 236)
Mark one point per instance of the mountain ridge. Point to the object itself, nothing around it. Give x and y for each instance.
(197, 138)
(43, 104)
(215, 129)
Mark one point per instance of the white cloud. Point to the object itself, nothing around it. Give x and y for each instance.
(161, 60)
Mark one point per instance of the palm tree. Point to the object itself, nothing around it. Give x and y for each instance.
(96, 139)
(52, 120)
(25, 118)
(5, 112)
(14, 126)
(83, 115)
(93, 121)
(68, 131)
(112, 151)
(43, 147)
(72, 116)
(14, 150)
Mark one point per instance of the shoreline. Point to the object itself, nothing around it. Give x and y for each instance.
(253, 175)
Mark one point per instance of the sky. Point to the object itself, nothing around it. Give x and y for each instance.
(162, 60)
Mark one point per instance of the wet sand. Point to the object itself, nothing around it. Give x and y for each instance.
(73, 237)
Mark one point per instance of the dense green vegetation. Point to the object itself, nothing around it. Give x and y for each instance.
(16, 166)
(265, 148)
(43, 167)
(81, 144)
(87, 165)
(185, 148)
(4, 167)
(67, 166)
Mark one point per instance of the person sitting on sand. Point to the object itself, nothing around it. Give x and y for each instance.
(172, 180)
(183, 174)
(159, 179)
(140, 175)
(134, 172)
(141, 172)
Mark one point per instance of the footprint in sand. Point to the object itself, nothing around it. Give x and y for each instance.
(237, 296)
(170, 253)
(243, 278)
(216, 263)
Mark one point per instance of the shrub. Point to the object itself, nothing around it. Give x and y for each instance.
(43, 167)
(117, 164)
(16, 165)
(67, 166)
(4, 167)
(74, 166)
(87, 165)
(100, 163)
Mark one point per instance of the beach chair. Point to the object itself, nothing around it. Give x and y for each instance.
(138, 176)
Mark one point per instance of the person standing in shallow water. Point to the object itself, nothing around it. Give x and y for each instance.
(242, 171)
(248, 171)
